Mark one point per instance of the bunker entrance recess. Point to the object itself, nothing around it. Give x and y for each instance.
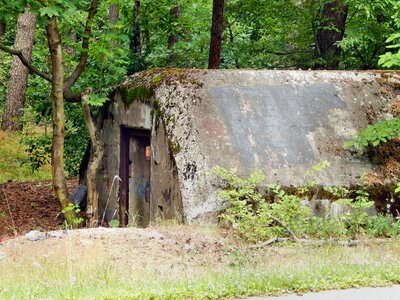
(135, 153)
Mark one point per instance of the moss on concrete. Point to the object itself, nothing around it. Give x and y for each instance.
(139, 93)
(174, 147)
(153, 78)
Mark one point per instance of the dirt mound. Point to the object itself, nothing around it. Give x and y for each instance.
(33, 205)
(164, 247)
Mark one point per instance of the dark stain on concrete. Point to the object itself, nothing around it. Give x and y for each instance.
(268, 125)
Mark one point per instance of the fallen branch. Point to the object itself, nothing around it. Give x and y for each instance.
(282, 224)
(352, 243)
(269, 242)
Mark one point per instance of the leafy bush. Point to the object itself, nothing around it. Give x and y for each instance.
(38, 143)
(255, 219)
(383, 226)
(390, 59)
(375, 134)
(38, 149)
(357, 219)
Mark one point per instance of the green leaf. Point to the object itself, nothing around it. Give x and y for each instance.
(113, 223)
(97, 100)
(48, 11)
(397, 189)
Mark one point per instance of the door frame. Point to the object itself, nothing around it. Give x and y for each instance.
(126, 133)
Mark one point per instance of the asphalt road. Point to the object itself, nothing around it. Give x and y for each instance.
(383, 293)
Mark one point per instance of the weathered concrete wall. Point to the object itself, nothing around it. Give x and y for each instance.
(165, 192)
(116, 114)
(165, 189)
(282, 122)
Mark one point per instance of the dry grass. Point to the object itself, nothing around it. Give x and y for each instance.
(180, 262)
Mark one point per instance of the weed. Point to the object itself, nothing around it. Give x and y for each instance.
(73, 207)
(254, 219)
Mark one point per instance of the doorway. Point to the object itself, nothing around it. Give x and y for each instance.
(135, 175)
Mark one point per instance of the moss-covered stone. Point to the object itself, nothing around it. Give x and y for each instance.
(174, 148)
(139, 93)
(157, 79)
(153, 78)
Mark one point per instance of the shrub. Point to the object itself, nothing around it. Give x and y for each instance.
(255, 219)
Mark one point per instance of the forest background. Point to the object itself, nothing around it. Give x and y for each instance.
(102, 42)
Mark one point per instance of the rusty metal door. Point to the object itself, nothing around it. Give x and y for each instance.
(135, 175)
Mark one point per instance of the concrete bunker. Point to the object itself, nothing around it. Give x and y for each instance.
(164, 129)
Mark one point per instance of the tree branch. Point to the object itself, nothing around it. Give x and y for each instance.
(70, 96)
(85, 47)
(25, 62)
(96, 157)
(282, 224)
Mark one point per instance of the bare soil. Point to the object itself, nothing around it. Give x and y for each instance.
(26, 206)
(180, 247)
(168, 247)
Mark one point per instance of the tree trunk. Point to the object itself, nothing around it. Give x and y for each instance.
(136, 40)
(232, 40)
(174, 37)
(333, 23)
(217, 28)
(113, 13)
(2, 28)
(137, 62)
(57, 98)
(96, 156)
(72, 37)
(18, 78)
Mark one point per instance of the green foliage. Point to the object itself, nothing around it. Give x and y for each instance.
(12, 158)
(391, 59)
(38, 149)
(397, 188)
(254, 219)
(249, 214)
(140, 93)
(38, 144)
(245, 213)
(375, 134)
(75, 208)
(383, 226)
(317, 168)
(113, 223)
(357, 218)
(288, 209)
(369, 24)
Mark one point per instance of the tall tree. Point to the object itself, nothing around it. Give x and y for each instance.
(137, 62)
(2, 28)
(61, 89)
(173, 37)
(113, 13)
(136, 39)
(57, 98)
(331, 30)
(18, 78)
(217, 27)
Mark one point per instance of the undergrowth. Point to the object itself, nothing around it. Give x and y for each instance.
(12, 160)
(256, 218)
